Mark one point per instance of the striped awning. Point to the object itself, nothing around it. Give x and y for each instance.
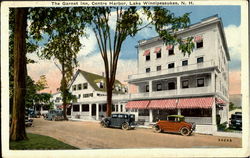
(163, 104)
(193, 103)
(146, 52)
(169, 47)
(157, 50)
(219, 101)
(141, 104)
(198, 38)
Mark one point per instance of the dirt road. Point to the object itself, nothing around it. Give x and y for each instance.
(90, 135)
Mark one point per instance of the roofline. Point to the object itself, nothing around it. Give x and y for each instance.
(204, 22)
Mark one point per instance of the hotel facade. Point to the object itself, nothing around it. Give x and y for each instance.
(167, 81)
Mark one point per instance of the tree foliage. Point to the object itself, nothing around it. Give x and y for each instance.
(128, 22)
(64, 27)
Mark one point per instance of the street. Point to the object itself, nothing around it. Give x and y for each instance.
(86, 135)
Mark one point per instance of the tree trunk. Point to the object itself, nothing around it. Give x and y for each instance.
(17, 131)
(109, 99)
(64, 93)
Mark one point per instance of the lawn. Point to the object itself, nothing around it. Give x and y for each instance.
(39, 142)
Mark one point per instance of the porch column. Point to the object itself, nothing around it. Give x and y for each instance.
(150, 87)
(213, 82)
(80, 108)
(178, 85)
(119, 107)
(90, 110)
(150, 115)
(97, 111)
(214, 113)
(179, 112)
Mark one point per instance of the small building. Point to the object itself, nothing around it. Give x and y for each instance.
(90, 91)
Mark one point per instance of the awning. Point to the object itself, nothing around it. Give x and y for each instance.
(198, 38)
(163, 104)
(219, 101)
(169, 47)
(157, 50)
(61, 106)
(193, 103)
(146, 52)
(141, 104)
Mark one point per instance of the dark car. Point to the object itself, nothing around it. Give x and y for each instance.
(176, 124)
(119, 120)
(236, 121)
(54, 115)
(28, 121)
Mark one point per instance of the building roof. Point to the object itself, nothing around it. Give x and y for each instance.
(93, 79)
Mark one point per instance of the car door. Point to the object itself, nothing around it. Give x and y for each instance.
(114, 120)
(172, 123)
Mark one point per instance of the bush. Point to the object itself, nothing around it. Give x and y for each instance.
(222, 127)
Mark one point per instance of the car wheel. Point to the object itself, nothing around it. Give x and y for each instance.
(125, 126)
(157, 129)
(103, 124)
(185, 131)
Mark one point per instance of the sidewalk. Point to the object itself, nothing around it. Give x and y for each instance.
(228, 134)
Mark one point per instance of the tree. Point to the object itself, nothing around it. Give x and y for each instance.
(64, 27)
(17, 131)
(128, 23)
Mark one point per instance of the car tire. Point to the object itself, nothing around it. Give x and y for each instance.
(185, 131)
(157, 129)
(125, 126)
(103, 124)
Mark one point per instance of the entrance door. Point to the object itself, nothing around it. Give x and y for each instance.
(93, 113)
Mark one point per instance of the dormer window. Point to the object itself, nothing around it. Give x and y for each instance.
(170, 49)
(199, 41)
(147, 54)
(158, 52)
(101, 85)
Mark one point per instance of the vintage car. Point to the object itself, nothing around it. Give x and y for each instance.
(236, 121)
(176, 124)
(28, 121)
(119, 120)
(54, 115)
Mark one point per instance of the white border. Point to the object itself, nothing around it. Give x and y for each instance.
(160, 152)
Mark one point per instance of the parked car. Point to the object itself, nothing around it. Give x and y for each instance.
(176, 124)
(236, 121)
(28, 121)
(54, 115)
(119, 120)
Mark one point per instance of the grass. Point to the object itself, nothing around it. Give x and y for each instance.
(39, 142)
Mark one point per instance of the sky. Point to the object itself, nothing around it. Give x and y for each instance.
(89, 57)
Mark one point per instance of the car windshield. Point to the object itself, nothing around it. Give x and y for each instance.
(236, 117)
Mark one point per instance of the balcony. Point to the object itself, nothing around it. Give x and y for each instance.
(173, 93)
(193, 67)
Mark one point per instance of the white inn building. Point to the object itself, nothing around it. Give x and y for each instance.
(167, 82)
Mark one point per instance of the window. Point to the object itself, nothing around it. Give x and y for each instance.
(148, 57)
(143, 112)
(199, 44)
(171, 85)
(185, 84)
(171, 51)
(85, 86)
(101, 85)
(114, 116)
(75, 108)
(184, 62)
(200, 82)
(147, 88)
(159, 87)
(158, 55)
(200, 60)
(104, 107)
(171, 65)
(79, 95)
(74, 87)
(85, 107)
(158, 68)
(121, 107)
(113, 107)
(79, 86)
(147, 70)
